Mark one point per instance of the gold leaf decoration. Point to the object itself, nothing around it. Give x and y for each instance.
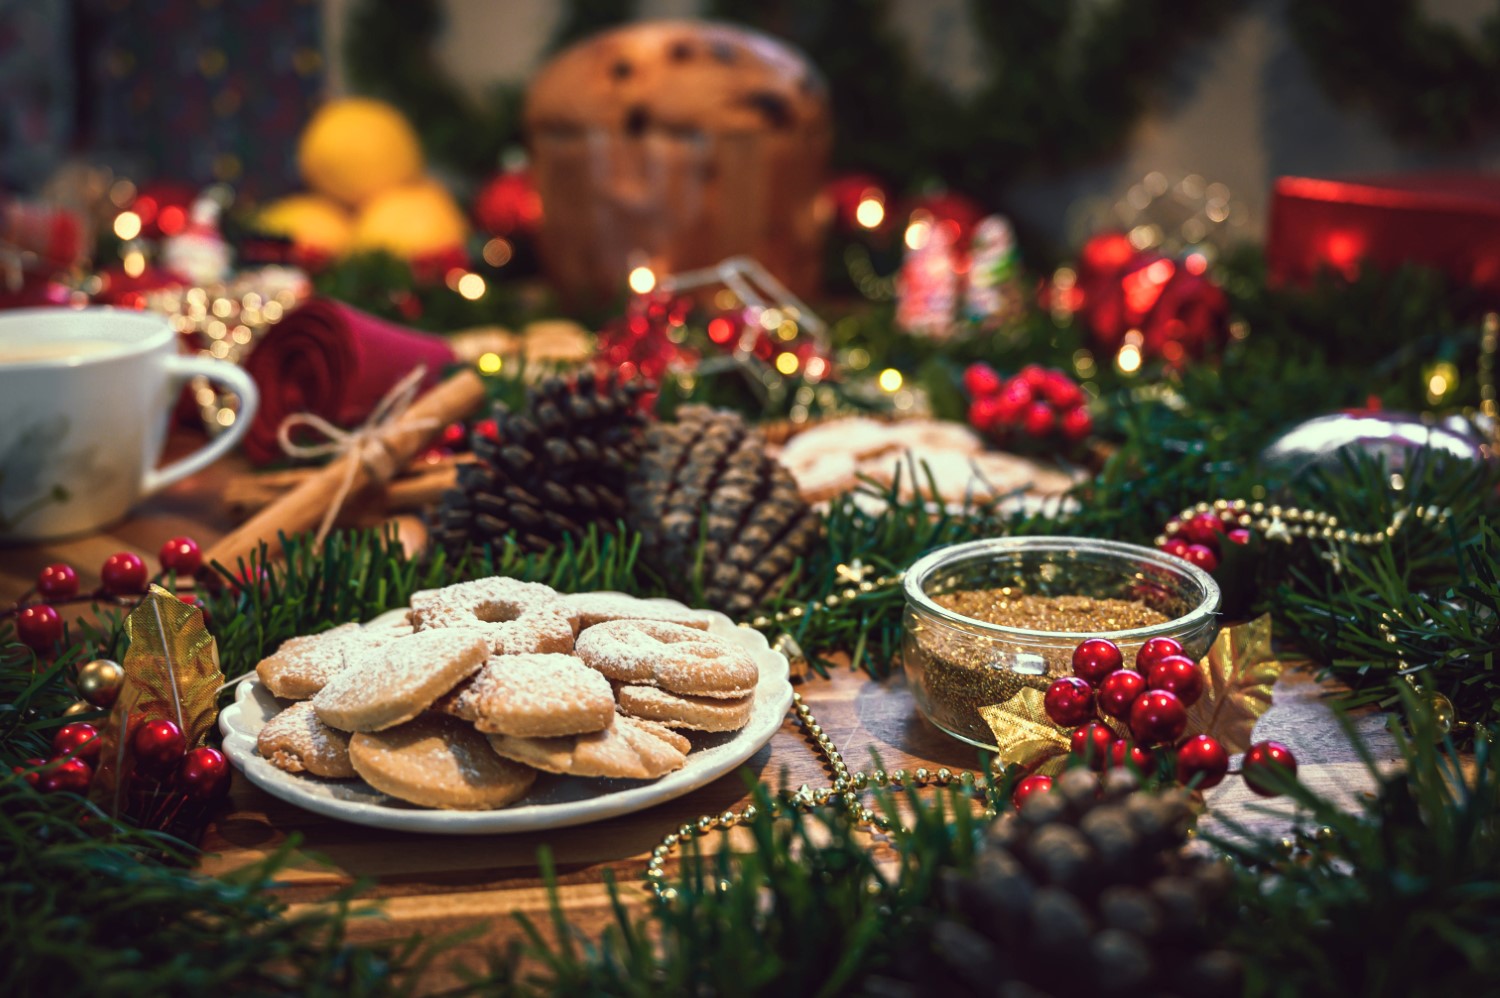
(1238, 673)
(173, 663)
(1024, 734)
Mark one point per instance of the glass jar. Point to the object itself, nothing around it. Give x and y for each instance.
(957, 664)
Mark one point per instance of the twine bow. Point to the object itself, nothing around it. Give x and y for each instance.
(364, 446)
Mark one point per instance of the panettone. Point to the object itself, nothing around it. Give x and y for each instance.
(677, 144)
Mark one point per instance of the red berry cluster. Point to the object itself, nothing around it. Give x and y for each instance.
(158, 752)
(1041, 403)
(1152, 700)
(39, 626)
(1200, 538)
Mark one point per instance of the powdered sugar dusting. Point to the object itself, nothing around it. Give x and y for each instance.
(536, 694)
(407, 672)
(515, 617)
(295, 740)
(587, 609)
(669, 655)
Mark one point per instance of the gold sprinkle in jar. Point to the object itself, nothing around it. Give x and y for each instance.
(988, 619)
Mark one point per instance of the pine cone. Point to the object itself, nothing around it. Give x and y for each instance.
(1079, 893)
(708, 477)
(550, 471)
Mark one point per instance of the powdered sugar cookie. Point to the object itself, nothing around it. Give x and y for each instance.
(676, 658)
(536, 696)
(438, 761)
(303, 665)
(396, 682)
(587, 609)
(678, 711)
(516, 617)
(628, 749)
(296, 741)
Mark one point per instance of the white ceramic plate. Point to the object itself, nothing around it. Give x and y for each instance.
(554, 801)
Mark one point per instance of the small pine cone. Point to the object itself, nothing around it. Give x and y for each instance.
(706, 487)
(552, 470)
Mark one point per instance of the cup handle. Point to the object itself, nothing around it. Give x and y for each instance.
(238, 381)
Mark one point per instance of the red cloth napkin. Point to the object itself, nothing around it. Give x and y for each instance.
(336, 362)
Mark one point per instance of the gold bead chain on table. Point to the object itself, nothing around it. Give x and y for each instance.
(854, 574)
(1287, 523)
(847, 789)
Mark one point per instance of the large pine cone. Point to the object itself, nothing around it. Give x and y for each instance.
(1082, 892)
(708, 477)
(551, 470)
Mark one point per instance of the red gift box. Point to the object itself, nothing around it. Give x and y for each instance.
(1449, 221)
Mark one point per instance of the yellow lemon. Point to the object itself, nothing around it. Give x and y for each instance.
(413, 221)
(311, 222)
(354, 148)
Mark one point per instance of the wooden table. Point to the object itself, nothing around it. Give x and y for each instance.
(434, 884)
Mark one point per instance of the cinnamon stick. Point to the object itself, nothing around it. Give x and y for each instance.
(304, 506)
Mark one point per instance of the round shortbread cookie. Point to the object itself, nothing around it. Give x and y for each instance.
(399, 680)
(296, 741)
(302, 666)
(536, 696)
(517, 618)
(677, 711)
(676, 658)
(628, 749)
(438, 761)
(584, 610)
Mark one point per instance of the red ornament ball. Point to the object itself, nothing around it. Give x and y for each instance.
(1177, 547)
(158, 746)
(70, 776)
(181, 555)
(204, 774)
(30, 771)
(1202, 757)
(509, 204)
(1154, 651)
(39, 628)
(123, 574)
(1069, 701)
(1261, 760)
(1180, 675)
(79, 740)
(981, 380)
(57, 581)
(1039, 419)
(1205, 529)
(1203, 556)
(1239, 535)
(985, 413)
(1034, 784)
(1127, 753)
(1092, 743)
(1157, 717)
(1119, 691)
(1096, 658)
(1061, 390)
(1077, 423)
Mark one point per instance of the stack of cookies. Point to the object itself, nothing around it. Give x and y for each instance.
(489, 682)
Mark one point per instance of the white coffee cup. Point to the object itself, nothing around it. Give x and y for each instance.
(85, 395)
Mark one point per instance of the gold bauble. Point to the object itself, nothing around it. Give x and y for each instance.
(416, 220)
(100, 681)
(355, 148)
(80, 707)
(1444, 716)
(311, 222)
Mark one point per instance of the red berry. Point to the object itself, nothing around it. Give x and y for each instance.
(1154, 651)
(1096, 658)
(1177, 674)
(984, 413)
(181, 555)
(1202, 556)
(196, 602)
(1034, 376)
(981, 380)
(1077, 423)
(1118, 692)
(1204, 758)
(1205, 529)
(489, 429)
(1092, 744)
(1157, 717)
(454, 434)
(30, 771)
(1239, 535)
(204, 774)
(1018, 391)
(67, 776)
(1039, 419)
(79, 740)
(57, 581)
(39, 628)
(1127, 753)
(1062, 391)
(1264, 759)
(158, 746)
(1069, 701)
(1176, 546)
(123, 574)
(1034, 784)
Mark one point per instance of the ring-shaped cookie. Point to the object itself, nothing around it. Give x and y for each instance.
(676, 658)
(517, 618)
